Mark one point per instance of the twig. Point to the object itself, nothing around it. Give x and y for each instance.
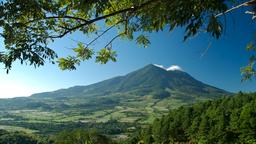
(206, 50)
(98, 36)
(104, 32)
(110, 42)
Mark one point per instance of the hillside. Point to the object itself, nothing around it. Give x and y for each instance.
(147, 80)
(138, 97)
(229, 120)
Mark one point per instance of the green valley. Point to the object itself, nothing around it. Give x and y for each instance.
(116, 106)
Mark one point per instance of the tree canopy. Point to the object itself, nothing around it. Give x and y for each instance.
(29, 26)
(229, 120)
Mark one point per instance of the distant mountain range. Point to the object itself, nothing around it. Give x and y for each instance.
(138, 97)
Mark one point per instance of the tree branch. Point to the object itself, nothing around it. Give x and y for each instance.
(248, 3)
(57, 17)
(103, 17)
(117, 36)
(103, 33)
(68, 17)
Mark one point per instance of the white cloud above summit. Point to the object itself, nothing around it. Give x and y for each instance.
(171, 68)
(160, 66)
(174, 67)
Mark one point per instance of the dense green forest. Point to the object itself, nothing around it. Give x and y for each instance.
(227, 120)
(20, 138)
(77, 136)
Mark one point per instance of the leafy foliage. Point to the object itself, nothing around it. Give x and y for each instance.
(227, 120)
(214, 27)
(76, 136)
(143, 40)
(106, 54)
(249, 71)
(83, 53)
(80, 136)
(19, 138)
(68, 63)
(28, 28)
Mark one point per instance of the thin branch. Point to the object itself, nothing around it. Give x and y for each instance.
(98, 36)
(61, 35)
(206, 50)
(122, 11)
(114, 38)
(103, 17)
(77, 41)
(57, 17)
(248, 3)
(69, 17)
(104, 32)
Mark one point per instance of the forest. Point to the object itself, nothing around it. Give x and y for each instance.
(227, 120)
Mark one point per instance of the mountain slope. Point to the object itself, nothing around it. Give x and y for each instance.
(138, 97)
(147, 80)
(229, 120)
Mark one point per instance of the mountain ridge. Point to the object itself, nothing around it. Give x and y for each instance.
(148, 78)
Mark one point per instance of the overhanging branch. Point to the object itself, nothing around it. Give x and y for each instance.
(135, 8)
(248, 3)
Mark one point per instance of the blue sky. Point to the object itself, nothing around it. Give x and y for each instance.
(215, 62)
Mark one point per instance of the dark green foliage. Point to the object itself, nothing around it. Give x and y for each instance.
(76, 136)
(160, 94)
(111, 127)
(29, 27)
(80, 136)
(19, 138)
(227, 120)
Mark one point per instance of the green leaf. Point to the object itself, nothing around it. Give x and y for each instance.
(83, 52)
(251, 47)
(143, 40)
(68, 63)
(105, 55)
(214, 27)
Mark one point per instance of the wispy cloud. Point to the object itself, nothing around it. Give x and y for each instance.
(174, 67)
(171, 68)
(160, 66)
